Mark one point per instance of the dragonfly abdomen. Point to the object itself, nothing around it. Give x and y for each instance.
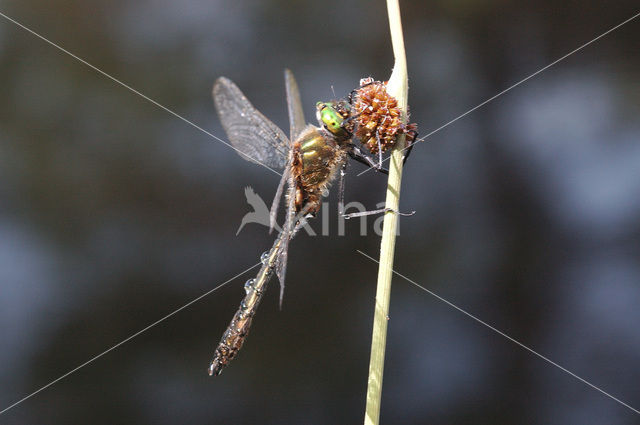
(238, 329)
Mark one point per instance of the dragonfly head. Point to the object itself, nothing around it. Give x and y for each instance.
(331, 119)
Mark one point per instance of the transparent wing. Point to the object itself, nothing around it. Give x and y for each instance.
(294, 104)
(289, 232)
(273, 212)
(258, 139)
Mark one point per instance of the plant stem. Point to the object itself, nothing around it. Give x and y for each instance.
(398, 88)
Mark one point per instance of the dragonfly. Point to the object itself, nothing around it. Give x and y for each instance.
(311, 158)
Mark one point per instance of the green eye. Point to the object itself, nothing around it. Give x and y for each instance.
(331, 119)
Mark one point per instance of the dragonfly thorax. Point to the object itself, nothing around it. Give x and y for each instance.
(316, 159)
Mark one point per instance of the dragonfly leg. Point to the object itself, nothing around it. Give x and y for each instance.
(373, 212)
(411, 137)
(356, 154)
(349, 119)
(341, 189)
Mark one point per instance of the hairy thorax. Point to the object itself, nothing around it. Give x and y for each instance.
(316, 160)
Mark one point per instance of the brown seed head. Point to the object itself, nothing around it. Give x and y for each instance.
(377, 116)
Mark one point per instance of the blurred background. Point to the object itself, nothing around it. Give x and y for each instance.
(114, 213)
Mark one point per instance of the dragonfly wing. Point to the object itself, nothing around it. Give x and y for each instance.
(273, 212)
(255, 137)
(294, 104)
(288, 230)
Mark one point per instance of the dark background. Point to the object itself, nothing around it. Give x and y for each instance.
(114, 213)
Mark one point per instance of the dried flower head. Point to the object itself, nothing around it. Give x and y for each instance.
(378, 120)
